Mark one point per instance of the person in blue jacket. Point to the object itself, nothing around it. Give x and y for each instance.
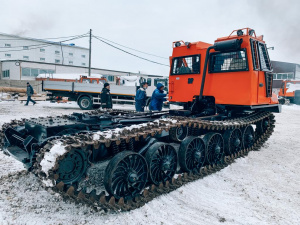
(141, 97)
(158, 98)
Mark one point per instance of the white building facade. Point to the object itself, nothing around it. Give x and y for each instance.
(14, 47)
(24, 70)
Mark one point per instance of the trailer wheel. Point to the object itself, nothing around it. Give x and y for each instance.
(85, 103)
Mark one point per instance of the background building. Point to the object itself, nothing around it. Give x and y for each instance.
(22, 59)
(38, 50)
(284, 71)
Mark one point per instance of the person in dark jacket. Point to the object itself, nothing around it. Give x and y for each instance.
(141, 97)
(106, 100)
(158, 98)
(29, 93)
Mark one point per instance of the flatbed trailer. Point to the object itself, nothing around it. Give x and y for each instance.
(87, 95)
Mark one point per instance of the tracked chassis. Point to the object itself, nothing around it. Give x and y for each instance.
(120, 160)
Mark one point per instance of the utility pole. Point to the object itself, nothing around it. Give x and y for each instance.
(90, 52)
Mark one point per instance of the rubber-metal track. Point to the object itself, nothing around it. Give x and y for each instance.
(106, 203)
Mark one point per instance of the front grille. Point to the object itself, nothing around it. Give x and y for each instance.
(269, 83)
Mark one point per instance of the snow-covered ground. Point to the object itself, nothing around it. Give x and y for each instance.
(263, 188)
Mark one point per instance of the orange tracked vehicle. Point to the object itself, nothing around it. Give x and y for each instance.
(119, 160)
(290, 90)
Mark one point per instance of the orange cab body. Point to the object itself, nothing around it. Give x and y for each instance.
(247, 88)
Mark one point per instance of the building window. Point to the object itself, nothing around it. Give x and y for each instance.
(5, 73)
(26, 57)
(57, 61)
(26, 72)
(70, 54)
(25, 47)
(83, 64)
(43, 71)
(83, 56)
(8, 55)
(42, 59)
(42, 50)
(8, 45)
(283, 76)
(34, 72)
(57, 52)
(110, 78)
(70, 62)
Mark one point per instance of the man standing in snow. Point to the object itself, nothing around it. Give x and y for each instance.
(141, 97)
(29, 93)
(106, 100)
(158, 98)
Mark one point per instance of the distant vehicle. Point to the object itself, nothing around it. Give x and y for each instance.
(290, 91)
(95, 78)
(86, 91)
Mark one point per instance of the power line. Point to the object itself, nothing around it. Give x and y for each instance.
(129, 52)
(43, 45)
(57, 43)
(40, 39)
(131, 48)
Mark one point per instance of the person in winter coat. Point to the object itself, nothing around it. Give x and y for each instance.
(106, 100)
(141, 97)
(158, 98)
(29, 93)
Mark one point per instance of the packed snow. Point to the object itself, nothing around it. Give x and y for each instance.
(108, 134)
(50, 157)
(262, 188)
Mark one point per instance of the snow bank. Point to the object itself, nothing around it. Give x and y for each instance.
(50, 157)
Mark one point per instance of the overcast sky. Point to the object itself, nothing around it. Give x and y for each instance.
(151, 26)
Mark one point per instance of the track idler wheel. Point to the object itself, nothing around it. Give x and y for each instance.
(232, 141)
(72, 168)
(162, 162)
(126, 175)
(214, 148)
(178, 134)
(248, 137)
(191, 154)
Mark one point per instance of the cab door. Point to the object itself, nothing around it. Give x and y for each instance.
(262, 64)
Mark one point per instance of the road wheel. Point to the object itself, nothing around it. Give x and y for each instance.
(162, 162)
(126, 175)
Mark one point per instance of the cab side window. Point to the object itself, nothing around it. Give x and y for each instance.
(228, 61)
(186, 65)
